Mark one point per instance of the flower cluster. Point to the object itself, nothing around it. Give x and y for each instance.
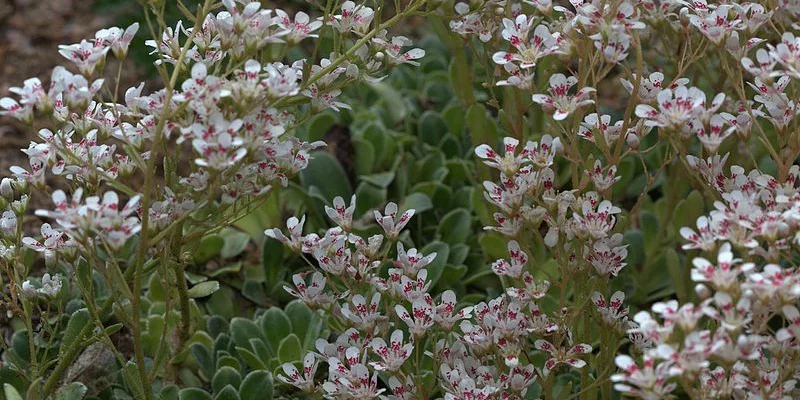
(136, 175)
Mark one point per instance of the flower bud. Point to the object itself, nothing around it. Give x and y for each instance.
(6, 190)
(703, 292)
(28, 290)
(632, 140)
(19, 206)
(20, 185)
(8, 223)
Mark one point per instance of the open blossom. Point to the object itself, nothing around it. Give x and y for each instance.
(86, 55)
(603, 180)
(392, 50)
(361, 314)
(596, 222)
(53, 242)
(612, 310)
(351, 380)
(647, 382)
(421, 317)
(445, 313)
(117, 39)
(393, 354)
(412, 261)
(356, 18)
(514, 267)
(300, 28)
(676, 107)
(51, 286)
(715, 24)
(712, 137)
(724, 275)
(559, 355)
(341, 215)
(113, 224)
(560, 103)
(472, 23)
(313, 293)
(302, 380)
(528, 51)
(389, 221)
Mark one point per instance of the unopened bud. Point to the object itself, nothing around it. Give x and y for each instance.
(28, 290)
(20, 185)
(8, 223)
(702, 291)
(19, 206)
(632, 140)
(6, 190)
(50, 259)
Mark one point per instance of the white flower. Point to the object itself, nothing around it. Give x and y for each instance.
(389, 221)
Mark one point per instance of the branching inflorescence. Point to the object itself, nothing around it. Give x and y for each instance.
(559, 324)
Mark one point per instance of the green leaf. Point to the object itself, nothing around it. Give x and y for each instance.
(458, 254)
(688, 210)
(203, 289)
(256, 386)
(325, 173)
(369, 198)
(454, 227)
(271, 257)
(10, 392)
(169, 392)
(650, 228)
(235, 243)
(453, 116)
(77, 321)
(250, 359)
(460, 74)
(376, 135)
(431, 128)
(225, 376)
(677, 275)
(364, 156)
(228, 393)
(482, 129)
(319, 125)
(220, 302)
(381, 180)
(73, 391)
(194, 394)
(243, 329)
(636, 249)
(300, 316)
(290, 349)
(420, 202)
(276, 326)
(254, 291)
(131, 374)
(458, 172)
(392, 100)
(441, 195)
(208, 248)
(83, 272)
(452, 274)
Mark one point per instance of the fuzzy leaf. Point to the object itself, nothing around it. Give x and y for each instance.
(203, 289)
